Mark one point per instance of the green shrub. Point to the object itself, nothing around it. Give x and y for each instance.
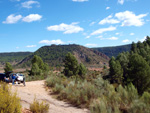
(99, 106)
(124, 100)
(80, 93)
(141, 105)
(58, 88)
(8, 67)
(99, 95)
(52, 80)
(9, 102)
(146, 97)
(37, 107)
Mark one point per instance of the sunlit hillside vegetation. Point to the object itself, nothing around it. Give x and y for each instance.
(13, 57)
(55, 54)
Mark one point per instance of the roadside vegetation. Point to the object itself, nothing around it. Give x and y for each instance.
(99, 95)
(9, 102)
(122, 90)
(37, 107)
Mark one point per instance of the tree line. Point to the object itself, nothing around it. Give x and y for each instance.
(132, 67)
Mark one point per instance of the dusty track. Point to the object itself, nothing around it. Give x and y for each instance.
(36, 88)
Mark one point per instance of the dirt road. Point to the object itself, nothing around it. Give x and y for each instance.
(36, 88)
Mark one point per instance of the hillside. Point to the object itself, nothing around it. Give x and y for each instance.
(13, 57)
(113, 51)
(54, 55)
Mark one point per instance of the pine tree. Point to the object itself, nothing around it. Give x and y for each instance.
(45, 69)
(70, 65)
(139, 73)
(82, 70)
(123, 59)
(35, 69)
(116, 71)
(134, 47)
(38, 66)
(8, 67)
(111, 65)
(36, 59)
(148, 40)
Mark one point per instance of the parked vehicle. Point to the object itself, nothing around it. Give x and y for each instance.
(2, 76)
(20, 78)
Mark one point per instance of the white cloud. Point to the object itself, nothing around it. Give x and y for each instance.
(32, 17)
(117, 33)
(84, 34)
(143, 39)
(11, 19)
(112, 38)
(101, 37)
(131, 33)
(91, 45)
(107, 8)
(126, 41)
(109, 20)
(128, 18)
(17, 47)
(102, 30)
(67, 29)
(51, 42)
(92, 23)
(121, 2)
(28, 4)
(87, 37)
(80, 0)
(30, 46)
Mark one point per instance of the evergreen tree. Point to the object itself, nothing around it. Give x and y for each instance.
(134, 47)
(148, 40)
(38, 66)
(36, 59)
(116, 71)
(8, 67)
(45, 69)
(70, 65)
(82, 70)
(135, 65)
(35, 69)
(123, 59)
(139, 73)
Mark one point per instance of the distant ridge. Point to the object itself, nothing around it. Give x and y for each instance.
(12, 57)
(55, 54)
(114, 50)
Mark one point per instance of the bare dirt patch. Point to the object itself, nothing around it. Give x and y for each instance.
(36, 88)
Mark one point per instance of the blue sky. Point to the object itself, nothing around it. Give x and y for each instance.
(26, 25)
